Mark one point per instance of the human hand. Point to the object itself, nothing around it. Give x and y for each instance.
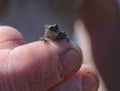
(38, 66)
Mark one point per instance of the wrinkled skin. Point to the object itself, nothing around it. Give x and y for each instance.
(37, 66)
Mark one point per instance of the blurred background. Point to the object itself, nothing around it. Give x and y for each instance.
(30, 16)
(92, 24)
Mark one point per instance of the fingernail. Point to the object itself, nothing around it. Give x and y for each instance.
(90, 82)
(71, 61)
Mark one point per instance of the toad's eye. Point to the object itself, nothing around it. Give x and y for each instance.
(56, 27)
(51, 29)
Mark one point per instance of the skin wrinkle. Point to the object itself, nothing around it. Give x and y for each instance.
(32, 80)
(36, 70)
(12, 82)
(15, 80)
(30, 67)
(7, 85)
(59, 70)
(4, 79)
(10, 77)
(50, 53)
(1, 83)
(36, 73)
(37, 67)
(60, 67)
(29, 84)
(10, 87)
(24, 83)
(27, 78)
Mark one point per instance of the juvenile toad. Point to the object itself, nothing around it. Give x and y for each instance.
(52, 32)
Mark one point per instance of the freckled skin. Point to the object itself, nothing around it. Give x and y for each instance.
(52, 32)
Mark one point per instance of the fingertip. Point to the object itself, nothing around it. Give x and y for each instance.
(71, 61)
(10, 36)
(7, 32)
(90, 78)
(70, 56)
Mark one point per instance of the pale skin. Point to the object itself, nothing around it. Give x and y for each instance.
(38, 66)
